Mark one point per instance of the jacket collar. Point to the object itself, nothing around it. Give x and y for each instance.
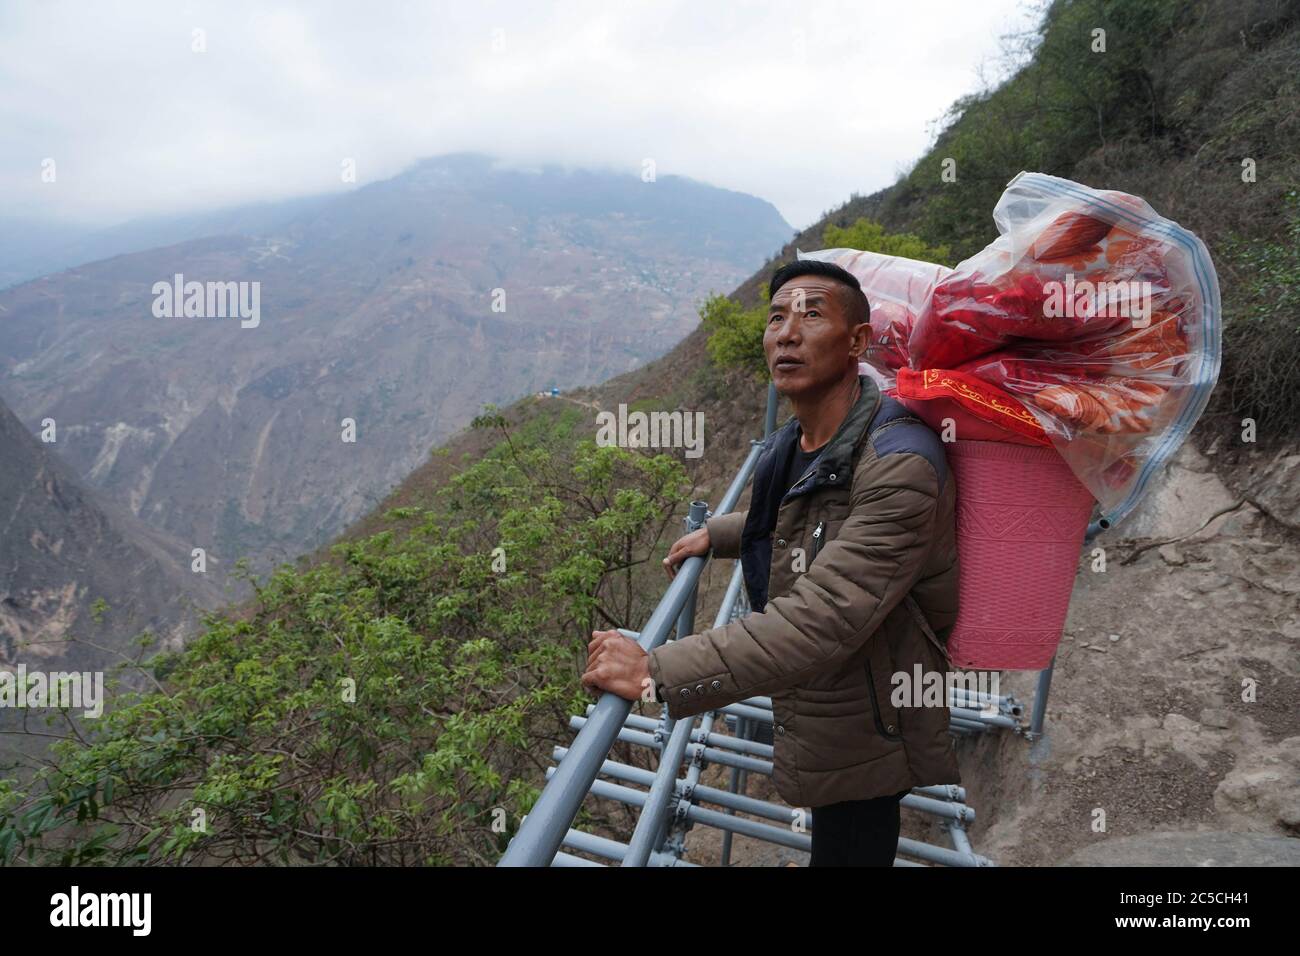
(834, 466)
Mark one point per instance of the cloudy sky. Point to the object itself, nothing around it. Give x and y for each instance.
(150, 108)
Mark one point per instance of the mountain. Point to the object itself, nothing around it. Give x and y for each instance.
(403, 306)
(32, 248)
(23, 240)
(62, 552)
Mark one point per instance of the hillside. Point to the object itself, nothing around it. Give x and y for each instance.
(79, 579)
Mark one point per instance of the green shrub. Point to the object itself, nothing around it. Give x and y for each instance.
(385, 707)
(736, 333)
(871, 236)
(1260, 376)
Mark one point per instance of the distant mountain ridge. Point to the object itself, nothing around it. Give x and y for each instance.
(30, 249)
(402, 306)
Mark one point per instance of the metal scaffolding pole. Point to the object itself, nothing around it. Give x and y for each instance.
(542, 831)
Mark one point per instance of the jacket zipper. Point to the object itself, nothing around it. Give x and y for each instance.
(817, 539)
(805, 477)
(875, 707)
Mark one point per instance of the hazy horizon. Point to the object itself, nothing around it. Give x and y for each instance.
(147, 109)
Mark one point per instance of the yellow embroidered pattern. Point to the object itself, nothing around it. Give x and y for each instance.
(935, 377)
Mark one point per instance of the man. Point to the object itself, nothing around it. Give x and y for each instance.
(851, 512)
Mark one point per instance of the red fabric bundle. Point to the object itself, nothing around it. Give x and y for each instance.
(1090, 324)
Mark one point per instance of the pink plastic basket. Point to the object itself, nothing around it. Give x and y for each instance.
(1021, 519)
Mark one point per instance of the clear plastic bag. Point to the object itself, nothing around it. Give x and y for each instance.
(1090, 320)
(897, 291)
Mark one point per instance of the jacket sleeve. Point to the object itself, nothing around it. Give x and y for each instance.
(833, 608)
(724, 534)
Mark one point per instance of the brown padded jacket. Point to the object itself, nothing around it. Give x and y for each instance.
(871, 522)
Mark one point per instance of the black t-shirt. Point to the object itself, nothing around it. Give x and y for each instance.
(800, 462)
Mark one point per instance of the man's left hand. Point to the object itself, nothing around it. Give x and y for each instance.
(617, 664)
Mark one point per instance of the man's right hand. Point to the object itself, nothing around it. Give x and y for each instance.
(688, 545)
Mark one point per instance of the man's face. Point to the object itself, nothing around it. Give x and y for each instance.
(808, 341)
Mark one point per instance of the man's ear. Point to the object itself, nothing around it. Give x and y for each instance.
(860, 340)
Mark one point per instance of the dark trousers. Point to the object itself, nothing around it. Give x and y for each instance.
(856, 832)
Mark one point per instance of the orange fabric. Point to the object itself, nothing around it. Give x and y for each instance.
(1116, 405)
(1068, 235)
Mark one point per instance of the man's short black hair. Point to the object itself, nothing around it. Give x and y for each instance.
(851, 296)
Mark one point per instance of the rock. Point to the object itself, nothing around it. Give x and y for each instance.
(1114, 638)
(1289, 815)
(1214, 717)
(1277, 489)
(1236, 524)
(1182, 498)
(1210, 581)
(1177, 723)
(1260, 545)
(1276, 573)
(1262, 786)
(1209, 848)
(1172, 555)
